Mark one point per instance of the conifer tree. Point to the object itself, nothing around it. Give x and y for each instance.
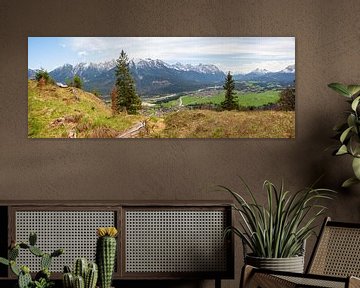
(126, 99)
(231, 100)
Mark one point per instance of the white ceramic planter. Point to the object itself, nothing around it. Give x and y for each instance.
(291, 264)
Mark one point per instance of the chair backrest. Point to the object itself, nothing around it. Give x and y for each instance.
(337, 251)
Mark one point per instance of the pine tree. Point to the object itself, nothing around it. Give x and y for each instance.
(125, 86)
(231, 100)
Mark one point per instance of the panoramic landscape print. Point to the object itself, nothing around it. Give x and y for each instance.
(161, 87)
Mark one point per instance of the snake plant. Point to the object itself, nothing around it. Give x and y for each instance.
(279, 228)
(349, 132)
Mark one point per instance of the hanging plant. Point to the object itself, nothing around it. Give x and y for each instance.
(349, 131)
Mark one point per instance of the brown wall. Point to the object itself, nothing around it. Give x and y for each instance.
(327, 49)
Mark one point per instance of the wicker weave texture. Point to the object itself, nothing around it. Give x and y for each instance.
(338, 252)
(175, 241)
(75, 231)
(313, 282)
(268, 281)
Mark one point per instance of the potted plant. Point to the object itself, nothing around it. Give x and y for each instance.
(42, 278)
(84, 274)
(349, 132)
(275, 233)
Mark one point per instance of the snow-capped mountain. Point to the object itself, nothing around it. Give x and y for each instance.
(84, 70)
(260, 71)
(283, 77)
(288, 69)
(149, 63)
(154, 76)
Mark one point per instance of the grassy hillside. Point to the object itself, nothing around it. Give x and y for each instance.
(228, 124)
(55, 112)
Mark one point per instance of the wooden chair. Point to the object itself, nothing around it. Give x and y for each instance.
(334, 263)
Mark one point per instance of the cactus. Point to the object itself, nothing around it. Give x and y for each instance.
(36, 251)
(89, 272)
(67, 269)
(91, 276)
(32, 239)
(105, 254)
(13, 253)
(79, 282)
(4, 261)
(80, 267)
(68, 280)
(14, 268)
(24, 278)
(24, 246)
(57, 252)
(44, 273)
(45, 261)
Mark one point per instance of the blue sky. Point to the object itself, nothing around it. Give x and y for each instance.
(235, 54)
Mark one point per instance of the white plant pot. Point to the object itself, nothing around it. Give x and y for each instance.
(291, 264)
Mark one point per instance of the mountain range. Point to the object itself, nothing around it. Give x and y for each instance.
(153, 77)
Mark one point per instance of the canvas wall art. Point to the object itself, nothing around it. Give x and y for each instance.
(161, 87)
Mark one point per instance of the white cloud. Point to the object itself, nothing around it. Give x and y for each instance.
(229, 52)
(82, 53)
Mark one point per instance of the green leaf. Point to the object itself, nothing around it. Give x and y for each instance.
(4, 261)
(356, 167)
(353, 89)
(279, 228)
(355, 103)
(351, 120)
(341, 89)
(345, 134)
(354, 145)
(349, 182)
(342, 150)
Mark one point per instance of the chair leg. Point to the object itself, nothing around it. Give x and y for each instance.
(217, 283)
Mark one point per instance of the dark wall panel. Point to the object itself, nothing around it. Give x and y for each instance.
(327, 38)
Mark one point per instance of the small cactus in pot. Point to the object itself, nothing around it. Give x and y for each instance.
(85, 275)
(106, 254)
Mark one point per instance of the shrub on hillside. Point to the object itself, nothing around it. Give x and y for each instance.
(43, 77)
(77, 82)
(287, 99)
